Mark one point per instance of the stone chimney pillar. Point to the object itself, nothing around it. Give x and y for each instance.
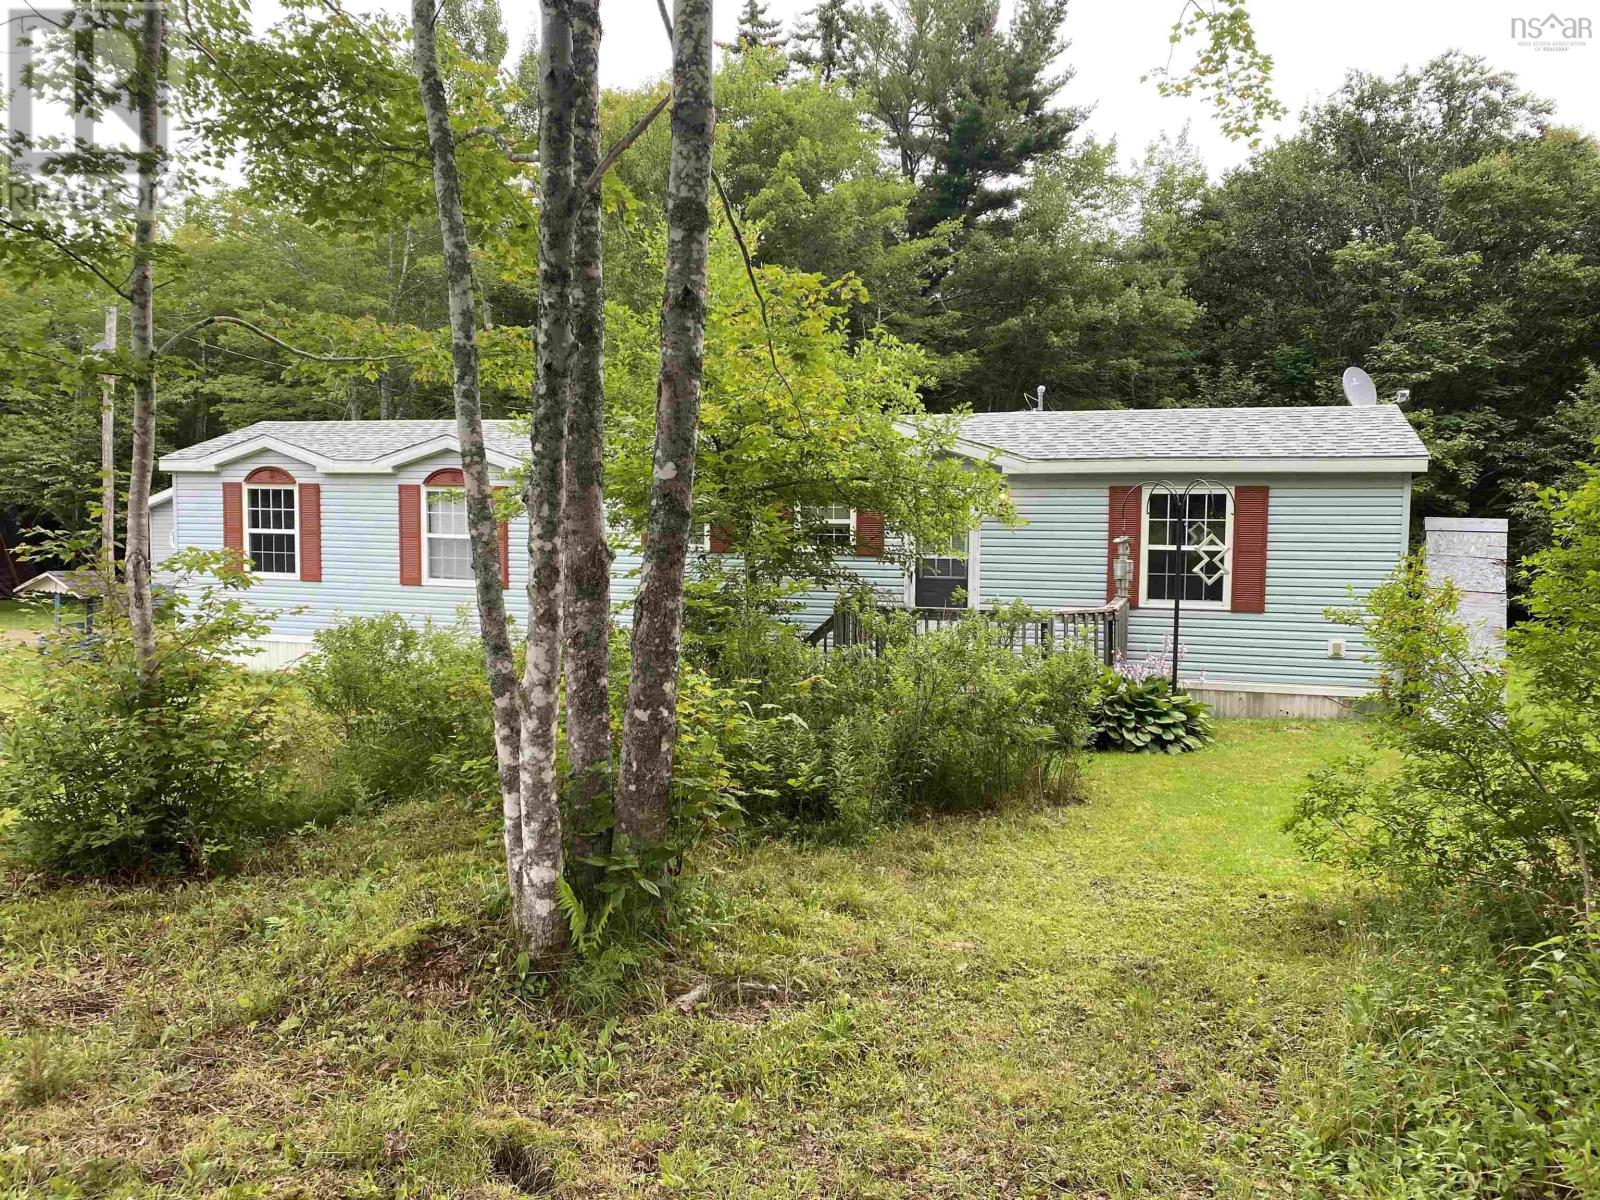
(1470, 552)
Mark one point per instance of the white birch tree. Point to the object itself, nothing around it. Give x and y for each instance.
(650, 721)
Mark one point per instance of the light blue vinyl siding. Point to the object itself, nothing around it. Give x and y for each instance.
(360, 551)
(882, 575)
(161, 544)
(1326, 534)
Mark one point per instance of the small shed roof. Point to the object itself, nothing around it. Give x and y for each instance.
(79, 585)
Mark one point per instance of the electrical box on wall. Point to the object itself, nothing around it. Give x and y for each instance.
(1335, 647)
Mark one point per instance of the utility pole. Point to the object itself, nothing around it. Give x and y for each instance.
(108, 451)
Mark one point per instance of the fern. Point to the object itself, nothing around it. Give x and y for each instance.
(577, 916)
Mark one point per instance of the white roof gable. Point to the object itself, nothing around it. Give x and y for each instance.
(347, 447)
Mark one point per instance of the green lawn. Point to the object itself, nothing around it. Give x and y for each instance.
(1117, 999)
(15, 614)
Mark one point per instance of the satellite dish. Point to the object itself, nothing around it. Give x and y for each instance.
(1359, 389)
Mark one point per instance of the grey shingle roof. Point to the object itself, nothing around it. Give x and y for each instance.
(351, 441)
(1381, 431)
(1151, 433)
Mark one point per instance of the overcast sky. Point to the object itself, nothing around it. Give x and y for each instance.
(1114, 42)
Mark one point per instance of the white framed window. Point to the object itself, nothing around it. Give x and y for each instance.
(271, 526)
(446, 547)
(836, 524)
(1204, 577)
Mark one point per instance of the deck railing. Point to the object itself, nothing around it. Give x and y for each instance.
(1101, 629)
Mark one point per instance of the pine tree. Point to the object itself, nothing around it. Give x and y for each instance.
(821, 39)
(758, 29)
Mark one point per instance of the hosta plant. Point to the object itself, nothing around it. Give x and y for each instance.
(1148, 715)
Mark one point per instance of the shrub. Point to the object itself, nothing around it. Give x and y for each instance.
(1147, 715)
(104, 774)
(1484, 798)
(1469, 1073)
(951, 720)
(412, 705)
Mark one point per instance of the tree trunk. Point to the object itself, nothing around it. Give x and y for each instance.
(650, 721)
(481, 524)
(541, 814)
(141, 293)
(587, 566)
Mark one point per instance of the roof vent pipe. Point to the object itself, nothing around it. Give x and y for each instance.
(1035, 401)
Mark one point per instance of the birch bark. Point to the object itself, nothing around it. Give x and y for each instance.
(141, 293)
(587, 566)
(650, 719)
(543, 860)
(481, 524)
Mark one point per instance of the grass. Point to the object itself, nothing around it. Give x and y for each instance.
(1119, 999)
(19, 662)
(29, 615)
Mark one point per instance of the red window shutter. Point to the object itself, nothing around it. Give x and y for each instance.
(233, 516)
(505, 554)
(717, 539)
(869, 534)
(1250, 549)
(410, 535)
(504, 532)
(311, 532)
(1124, 517)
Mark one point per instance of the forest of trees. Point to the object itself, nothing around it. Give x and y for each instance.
(917, 168)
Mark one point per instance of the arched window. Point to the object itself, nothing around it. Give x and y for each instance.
(272, 522)
(446, 547)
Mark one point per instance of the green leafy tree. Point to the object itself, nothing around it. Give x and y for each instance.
(477, 29)
(1071, 295)
(1229, 69)
(829, 422)
(1436, 230)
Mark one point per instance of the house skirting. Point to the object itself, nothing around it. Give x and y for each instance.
(1241, 699)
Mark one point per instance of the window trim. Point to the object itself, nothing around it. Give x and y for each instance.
(294, 494)
(1145, 549)
(428, 578)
